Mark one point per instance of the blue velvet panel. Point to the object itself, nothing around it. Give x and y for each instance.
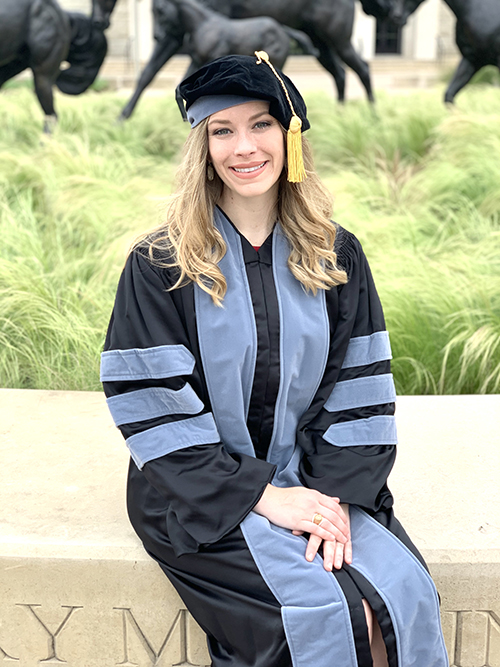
(378, 430)
(406, 589)
(152, 402)
(361, 392)
(304, 345)
(314, 609)
(166, 438)
(311, 632)
(365, 350)
(163, 361)
(228, 345)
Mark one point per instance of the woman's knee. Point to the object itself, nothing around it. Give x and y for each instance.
(369, 619)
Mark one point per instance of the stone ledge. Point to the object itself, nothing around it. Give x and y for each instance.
(76, 585)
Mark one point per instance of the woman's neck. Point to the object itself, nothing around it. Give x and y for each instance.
(253, 218)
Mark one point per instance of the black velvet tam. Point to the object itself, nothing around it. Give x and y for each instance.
(241, 75)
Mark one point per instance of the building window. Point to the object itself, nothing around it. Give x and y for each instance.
(388, 37)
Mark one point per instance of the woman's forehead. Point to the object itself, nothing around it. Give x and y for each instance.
(241, 111)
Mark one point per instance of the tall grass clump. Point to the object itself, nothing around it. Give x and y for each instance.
(429, 221)
(418, 184)
(69, 206)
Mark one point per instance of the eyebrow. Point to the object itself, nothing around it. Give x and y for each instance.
(223, 121)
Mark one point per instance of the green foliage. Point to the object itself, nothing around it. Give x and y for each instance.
(100, 85)
(418, 184)
(487, 76)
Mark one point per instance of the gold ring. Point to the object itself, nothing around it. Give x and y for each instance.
(317, 518)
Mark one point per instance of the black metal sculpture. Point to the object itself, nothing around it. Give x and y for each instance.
(328, 23)
(37, 34)
(477, 36)
(378, 8)
(34, 34)
(87, 50)
(212, 35)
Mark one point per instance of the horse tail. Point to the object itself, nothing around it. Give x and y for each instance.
(303, 40)
(87, 51)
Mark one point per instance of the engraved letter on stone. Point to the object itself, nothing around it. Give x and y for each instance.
(153, 655)
(52, 648)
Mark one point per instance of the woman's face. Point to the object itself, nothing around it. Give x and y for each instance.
(246, 146)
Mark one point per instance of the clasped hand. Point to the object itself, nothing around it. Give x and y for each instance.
(295, 507)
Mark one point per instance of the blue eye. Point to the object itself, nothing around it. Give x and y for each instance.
(262, 124)
(221, 132)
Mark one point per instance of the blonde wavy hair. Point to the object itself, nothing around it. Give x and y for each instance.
(189, 241)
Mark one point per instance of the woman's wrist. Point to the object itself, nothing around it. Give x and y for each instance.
(262, 506)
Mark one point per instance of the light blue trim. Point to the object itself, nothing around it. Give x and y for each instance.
(314, 609)
(311, 632)
(137, 406)
(406, 589)
(228, 344)
(365, 350)
(304, 346)
(361, 392)
(167, 438)
(163, 361)
(208, 104)
(377, 430)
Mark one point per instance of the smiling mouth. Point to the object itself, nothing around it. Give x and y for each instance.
(248, 170)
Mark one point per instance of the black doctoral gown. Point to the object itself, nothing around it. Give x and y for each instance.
(278, 386)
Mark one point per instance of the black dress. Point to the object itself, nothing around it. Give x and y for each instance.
(276, 386)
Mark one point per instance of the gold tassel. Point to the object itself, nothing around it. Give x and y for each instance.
(296, 170)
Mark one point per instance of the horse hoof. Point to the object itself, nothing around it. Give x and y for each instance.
(49, 124)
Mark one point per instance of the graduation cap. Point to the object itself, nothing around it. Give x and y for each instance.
(233, 80)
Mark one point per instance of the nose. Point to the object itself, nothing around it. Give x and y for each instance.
(245, 144)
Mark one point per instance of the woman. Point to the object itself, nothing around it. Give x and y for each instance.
(247, 366)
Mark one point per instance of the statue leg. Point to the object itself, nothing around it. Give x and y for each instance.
(48, 39)
(356, 63)
(163, 51)
(45, 74)
(330, 61)
(43, 90)
(463, 74)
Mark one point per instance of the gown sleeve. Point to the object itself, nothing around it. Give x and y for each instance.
(157, 397)
(349, 435)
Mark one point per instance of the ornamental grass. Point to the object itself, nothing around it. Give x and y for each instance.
(418, 184)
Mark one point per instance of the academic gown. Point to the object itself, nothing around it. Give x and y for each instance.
(276, 386)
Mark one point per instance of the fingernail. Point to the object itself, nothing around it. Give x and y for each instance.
(309, 557)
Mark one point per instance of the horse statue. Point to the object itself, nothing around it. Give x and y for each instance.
(212, 35)
(328, 23)
(477, 36)
(34, 34)
(37, 34)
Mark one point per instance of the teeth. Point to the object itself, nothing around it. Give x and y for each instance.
(249, 169)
